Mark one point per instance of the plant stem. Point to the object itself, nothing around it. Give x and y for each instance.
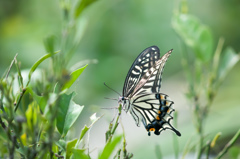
(228, 145)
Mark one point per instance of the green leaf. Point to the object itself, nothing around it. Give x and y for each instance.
(234, 152)
(79, 153)
(195, 35)
(70, 145)
(62, 144)
(213, 142)
(73, 77)
(33, 68)
(109, 147)
(23, 150)
(68, 113)
(229, 59)
(85, 129)
(41, 101)
(49, 44)
(81, 6)
(32, 115)
(3, 135)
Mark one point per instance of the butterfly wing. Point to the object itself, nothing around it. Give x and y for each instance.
(140, 66)
(154, 110)
(151, 80)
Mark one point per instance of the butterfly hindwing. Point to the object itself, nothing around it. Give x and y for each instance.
(154, 110)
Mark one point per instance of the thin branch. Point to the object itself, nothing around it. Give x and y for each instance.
(228, 145)
(14, 59)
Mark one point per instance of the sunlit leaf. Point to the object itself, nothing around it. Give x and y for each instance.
(23, 138)
(79, 153)
(213, 142)
(195, 35)
(70, 145)
(109, 147)
(31, 115)
(229, 59)
(73, 77)
(68, 113)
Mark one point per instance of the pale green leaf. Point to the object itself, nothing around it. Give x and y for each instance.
(229, 59)
(195, 35)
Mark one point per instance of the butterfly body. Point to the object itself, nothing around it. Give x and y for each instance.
(141, 92)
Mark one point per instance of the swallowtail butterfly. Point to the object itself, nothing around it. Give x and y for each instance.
(141, 92)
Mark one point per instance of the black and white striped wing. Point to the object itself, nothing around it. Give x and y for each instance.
(140, 66)
(151, 80)
(154, 111)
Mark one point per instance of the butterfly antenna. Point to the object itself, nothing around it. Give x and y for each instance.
(112, 89)
(110, 98)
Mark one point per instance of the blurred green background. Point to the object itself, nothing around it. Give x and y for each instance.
(116, 33)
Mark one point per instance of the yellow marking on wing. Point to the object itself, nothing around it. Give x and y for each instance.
(162, 96)
(152, 129)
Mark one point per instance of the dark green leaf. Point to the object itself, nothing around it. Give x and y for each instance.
(73, 77)
(68, 113)
(110, 146)
(79, 153)
(195, 35)
(229, 59)
(70, 145)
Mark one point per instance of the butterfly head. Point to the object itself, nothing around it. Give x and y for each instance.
(124, 101)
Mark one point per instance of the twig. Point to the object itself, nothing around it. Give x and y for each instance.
(14, 59)
(228, 145)
(58, 156)
(19, 100)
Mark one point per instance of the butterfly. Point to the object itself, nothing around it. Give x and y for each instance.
(141, 92)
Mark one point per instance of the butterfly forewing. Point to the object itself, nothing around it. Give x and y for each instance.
(151, 80)
(140, 66)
